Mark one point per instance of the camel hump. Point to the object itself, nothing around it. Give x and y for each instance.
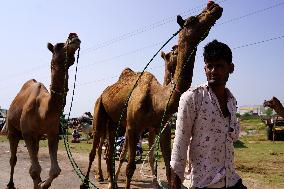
(28, 84)
(127, 72)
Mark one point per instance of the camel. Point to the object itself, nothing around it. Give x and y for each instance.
(170, 65)
(35, 111)
(149, 99)
(275, 104)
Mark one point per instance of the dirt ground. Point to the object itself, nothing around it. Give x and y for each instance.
(68, 178)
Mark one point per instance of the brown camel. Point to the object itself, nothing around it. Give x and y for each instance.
(275, 104)
(170, 66)
(35, 112)
(149, 99)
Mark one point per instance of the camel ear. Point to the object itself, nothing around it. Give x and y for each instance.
(163, 55)
(50, 47)
(180, 21)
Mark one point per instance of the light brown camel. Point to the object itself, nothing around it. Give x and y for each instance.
(276, 105)
(35, 112)
(170, 66)
(149, 98)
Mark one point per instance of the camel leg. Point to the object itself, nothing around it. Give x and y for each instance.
(122, 156)
(151, 140)
(14, 141)
(54, 169)
(110, 156)
(165, 144)
(92, 155)
(32, 144)
(100, 172)
(131, 165)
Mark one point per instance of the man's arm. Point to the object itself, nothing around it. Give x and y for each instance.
(185, 119)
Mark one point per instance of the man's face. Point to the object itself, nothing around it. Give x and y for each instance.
(217, 72)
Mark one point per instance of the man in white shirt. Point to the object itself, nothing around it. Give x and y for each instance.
(207, 126)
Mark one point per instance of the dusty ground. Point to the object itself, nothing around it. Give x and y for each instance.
(68, 178)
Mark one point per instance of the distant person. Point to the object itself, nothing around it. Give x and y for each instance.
(76, 136)
(207, 125)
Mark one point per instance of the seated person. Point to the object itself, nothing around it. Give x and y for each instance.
(76, 136)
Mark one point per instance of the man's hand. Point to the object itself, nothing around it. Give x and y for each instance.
(175, 180)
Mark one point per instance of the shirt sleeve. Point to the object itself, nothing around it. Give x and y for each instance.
(185, 119)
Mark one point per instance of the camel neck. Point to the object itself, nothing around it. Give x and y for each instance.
(279, 110)
(58, 89)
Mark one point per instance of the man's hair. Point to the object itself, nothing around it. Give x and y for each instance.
(216, 50)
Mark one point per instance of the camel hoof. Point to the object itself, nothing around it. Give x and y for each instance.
(10, 185)
(43, 185)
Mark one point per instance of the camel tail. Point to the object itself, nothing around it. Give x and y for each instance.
(100, 119)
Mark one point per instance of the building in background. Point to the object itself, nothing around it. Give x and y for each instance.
(252, 109)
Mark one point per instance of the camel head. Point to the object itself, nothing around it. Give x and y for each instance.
(197, 27)
(61, 51)
(170, 59)
(273, 103)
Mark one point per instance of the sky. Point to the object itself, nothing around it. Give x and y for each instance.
(120, 34)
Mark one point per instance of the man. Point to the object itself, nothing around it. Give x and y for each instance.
(207, 126)
(76, 136)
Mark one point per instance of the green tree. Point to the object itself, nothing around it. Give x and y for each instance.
(269, 112)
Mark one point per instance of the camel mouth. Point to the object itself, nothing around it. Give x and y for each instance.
(211, 13)
(73, 42)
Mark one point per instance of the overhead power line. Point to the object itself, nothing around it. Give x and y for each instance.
(258, 42)
(147, 28)
(158, 24)
(252, 13)
(238, 47)
(173, 19)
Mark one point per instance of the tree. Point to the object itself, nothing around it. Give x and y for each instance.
(269, 111)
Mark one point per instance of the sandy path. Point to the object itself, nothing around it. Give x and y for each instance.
(67, 178)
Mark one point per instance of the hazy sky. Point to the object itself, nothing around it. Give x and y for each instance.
(120, 34)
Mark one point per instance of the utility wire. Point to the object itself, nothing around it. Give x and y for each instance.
(238, 47)
(170, 19)
(147, 28)
(234, 48)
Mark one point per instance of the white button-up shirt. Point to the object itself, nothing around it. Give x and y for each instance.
(209, 136)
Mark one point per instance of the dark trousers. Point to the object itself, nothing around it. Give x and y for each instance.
(238, 185)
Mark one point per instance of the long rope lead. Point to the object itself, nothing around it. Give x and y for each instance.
(163, 126)
(135, 85)
(75, 166)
